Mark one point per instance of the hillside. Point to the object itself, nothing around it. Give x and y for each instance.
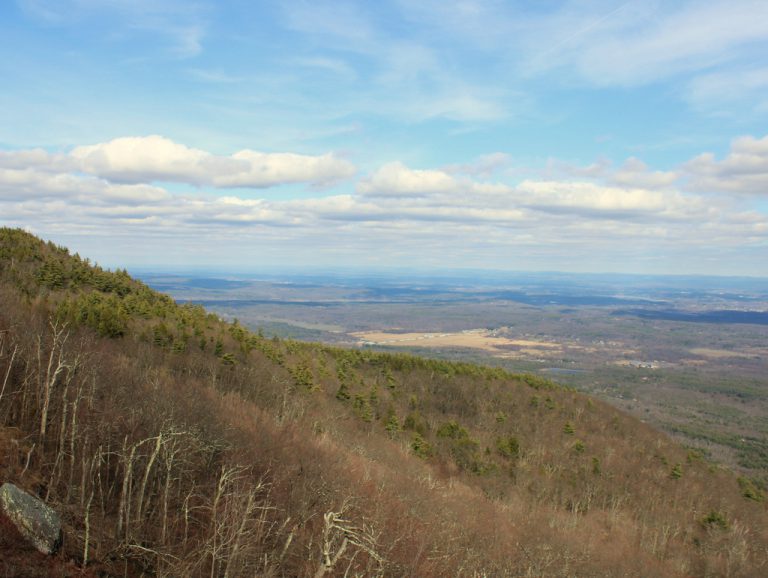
(174, 444)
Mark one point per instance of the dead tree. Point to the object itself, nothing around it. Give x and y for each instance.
(340, 534)
(55, 365)
(10, 365)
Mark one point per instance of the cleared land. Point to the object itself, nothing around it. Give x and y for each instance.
(723, 353)
(483, 339)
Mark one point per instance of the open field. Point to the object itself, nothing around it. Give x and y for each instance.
(723, 353)
(483, 339)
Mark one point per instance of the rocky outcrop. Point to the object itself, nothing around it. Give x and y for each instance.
(36, 521)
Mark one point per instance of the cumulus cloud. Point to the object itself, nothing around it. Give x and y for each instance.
(24, 184)
(397, 180)
(632, 174)
(421, 214)
(263, 169)
(24, 159)
(635, 173)
(630, 192)
(142, 159)
(156, 158)
(743, 170)
(600, 201)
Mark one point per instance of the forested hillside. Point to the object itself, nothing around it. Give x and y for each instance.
(175, 444)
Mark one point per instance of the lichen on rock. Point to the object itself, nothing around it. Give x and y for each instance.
(36, 521)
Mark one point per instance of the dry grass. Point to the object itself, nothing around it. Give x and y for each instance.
(474, 339)
(724, 353)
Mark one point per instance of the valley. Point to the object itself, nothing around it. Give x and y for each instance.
(687, 355)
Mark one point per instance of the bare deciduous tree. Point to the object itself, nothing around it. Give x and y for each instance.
(339, 534)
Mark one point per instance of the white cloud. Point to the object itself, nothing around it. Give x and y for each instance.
(633, 43)
(24, 184)
(420, 215)
(423, 75)
(396, 180)
(631, 192)
(263, 169)
(404, 76)
(155, 158)
(24, 159)
(635, 173)
(605, 42)
(743, 170)
(611, 202)
(632, 174)
(141, 159)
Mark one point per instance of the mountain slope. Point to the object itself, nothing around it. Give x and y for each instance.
(177, 444)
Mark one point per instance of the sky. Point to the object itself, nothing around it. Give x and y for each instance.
(578, 136)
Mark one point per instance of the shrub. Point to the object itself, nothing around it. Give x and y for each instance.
(420, 446)
(715, 519)
(508, 447)
(342, 394)
(750, 491)
(392, 424)
(452, 430)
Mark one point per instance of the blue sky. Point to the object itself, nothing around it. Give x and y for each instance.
(601, 136)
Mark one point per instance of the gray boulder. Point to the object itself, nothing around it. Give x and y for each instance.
(36, 521)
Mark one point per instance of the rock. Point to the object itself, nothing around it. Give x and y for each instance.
(36, 521)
